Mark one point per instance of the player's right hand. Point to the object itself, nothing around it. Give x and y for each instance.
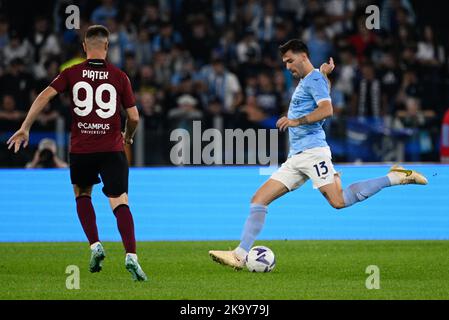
(17, 139)
(327, 68)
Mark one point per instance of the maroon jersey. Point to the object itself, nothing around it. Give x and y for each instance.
(98, 90)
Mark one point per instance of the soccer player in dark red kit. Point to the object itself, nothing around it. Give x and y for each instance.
(98, 90)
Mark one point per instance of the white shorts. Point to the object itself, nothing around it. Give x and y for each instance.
(315, 164)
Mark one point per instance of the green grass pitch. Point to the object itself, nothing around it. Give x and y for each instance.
(183, 270)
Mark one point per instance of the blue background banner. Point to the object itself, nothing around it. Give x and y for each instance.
(211, 203)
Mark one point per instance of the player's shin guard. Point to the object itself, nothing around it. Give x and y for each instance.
(125, 225)
(86, 214)
(362, 190)
(253, 226)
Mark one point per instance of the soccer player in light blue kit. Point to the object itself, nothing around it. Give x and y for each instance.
(309, 156)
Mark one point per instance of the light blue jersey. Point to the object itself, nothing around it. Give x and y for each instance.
(311, 90)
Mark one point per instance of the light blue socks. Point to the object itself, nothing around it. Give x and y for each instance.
(252, 228)
(362, 190)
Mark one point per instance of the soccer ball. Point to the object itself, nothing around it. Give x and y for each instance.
(260, 259)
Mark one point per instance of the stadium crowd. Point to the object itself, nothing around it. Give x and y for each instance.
(207, 59)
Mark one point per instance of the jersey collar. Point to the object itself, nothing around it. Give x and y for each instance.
(96, 63)
(308, 74)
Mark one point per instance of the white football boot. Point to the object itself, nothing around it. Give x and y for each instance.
(96, 258)
(134, 268)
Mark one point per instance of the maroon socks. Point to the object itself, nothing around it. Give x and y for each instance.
(86, 214)
(125, 225)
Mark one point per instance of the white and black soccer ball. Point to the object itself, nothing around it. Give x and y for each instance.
(260, 259)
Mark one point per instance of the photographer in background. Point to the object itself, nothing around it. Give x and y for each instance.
(45, 156)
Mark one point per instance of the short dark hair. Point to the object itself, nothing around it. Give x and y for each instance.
(294, 45)
(97, 31)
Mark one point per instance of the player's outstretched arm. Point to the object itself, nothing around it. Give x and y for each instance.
(131, 124)
(323, 111)
(22, 135)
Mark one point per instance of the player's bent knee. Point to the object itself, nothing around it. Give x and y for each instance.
(338, 204)
(117, 201)
(82, 191)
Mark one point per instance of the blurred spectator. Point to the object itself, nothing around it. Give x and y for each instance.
(4, 37)
(162, 68)
(338, 100)
(10, 117)
(271, 49)
(131, 68)
(250, 85)
(227, 47)
(252, 12)
(248, 47)
(413, 117)
(390, 77)
(119, 43)
(200, 41)
(104, 12)
(224, 85)
(45, 45)
(143, 47)
(339, 14)
(363, 41)
(46, 120)
(347, 71)
(182, 62)
(17, 82)
(265, 23)
(429, 52)
(444, 148)
(150, 108)
(367, 97)
(17, 48)
(411, 86)
(256, 115)
(283, 88)
(147, 81)
(166, 38)
(152, 114)
(45, 156)
(267, 98)
(185, 112)
(263, 108)
(223, 13)
(293, 9)
(389, 10)
(403, 30)
(430, 56)
(151, 20)
(128, 22)
(186, 86)
(318, 42)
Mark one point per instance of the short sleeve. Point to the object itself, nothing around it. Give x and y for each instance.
(319, 88)
(60, 83)
(128, 100)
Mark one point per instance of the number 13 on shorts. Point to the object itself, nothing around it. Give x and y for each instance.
(321, 168)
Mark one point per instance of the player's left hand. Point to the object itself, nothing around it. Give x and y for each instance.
(284, 122)
(20, 137)
(327, 68)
